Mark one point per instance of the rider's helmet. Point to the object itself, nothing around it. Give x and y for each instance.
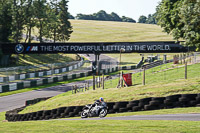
(101, 99)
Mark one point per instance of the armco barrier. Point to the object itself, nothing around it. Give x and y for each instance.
(152, 103)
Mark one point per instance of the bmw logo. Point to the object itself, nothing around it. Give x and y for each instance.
(19, 48)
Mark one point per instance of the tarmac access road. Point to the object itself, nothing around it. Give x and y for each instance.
(175, 117)
(18, 100)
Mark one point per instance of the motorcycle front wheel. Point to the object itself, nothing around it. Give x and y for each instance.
(84, 114)
(103, 113)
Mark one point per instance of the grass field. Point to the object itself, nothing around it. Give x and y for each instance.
(153, 89)
(107, 31)
(107, 125)
(101, 126)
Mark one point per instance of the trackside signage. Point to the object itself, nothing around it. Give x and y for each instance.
(130, 47)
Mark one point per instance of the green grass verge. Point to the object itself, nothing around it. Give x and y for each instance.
(189, 110)
(2, 116)
(158, 87)
(101, 126)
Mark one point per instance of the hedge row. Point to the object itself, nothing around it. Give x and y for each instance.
(152, 103)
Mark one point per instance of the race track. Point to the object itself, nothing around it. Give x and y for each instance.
(18, 100)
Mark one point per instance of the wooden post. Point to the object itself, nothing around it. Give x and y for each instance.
(85, 87)
(178, 59)
(99, 81)
(96, 82)
(93, 82)
(144, 76)
(181, 58)
(72, 89)
(88, 85)
(122, 79)
(75, 88)
(185, 70)
(103, 82)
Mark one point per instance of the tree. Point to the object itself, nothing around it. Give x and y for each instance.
(181, 18)
(151, 19)
(115, 17)
(190, 17)
(39, 8)
(18, 15)
(169, 19)
(85, 17)
(142, 19)
(102, 15)
(5, 28)
(5, 21)
(127, 19)
(65, 28)
(30, 20)
(53, 20)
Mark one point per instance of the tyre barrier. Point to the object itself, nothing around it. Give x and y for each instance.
(152, 103)
(34, 101)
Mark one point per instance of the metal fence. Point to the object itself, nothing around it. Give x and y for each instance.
(185, 67)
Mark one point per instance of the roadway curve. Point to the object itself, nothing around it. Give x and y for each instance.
(18, 100)
(177, 117)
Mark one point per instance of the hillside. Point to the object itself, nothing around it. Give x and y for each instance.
(107, 31)
(171, 84)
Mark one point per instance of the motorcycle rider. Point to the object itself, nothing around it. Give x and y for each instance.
(99, 103)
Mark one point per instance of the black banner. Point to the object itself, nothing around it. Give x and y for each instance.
(89, 48)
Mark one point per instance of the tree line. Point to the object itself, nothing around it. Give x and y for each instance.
(181, 18)
(104, 16)
(151, 19)
(49, 17)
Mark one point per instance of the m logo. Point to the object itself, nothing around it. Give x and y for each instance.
(32, 48)
(19, 48)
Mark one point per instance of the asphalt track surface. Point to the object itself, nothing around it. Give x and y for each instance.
(18, 100)
(175, 117)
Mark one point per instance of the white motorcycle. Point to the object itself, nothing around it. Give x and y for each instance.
(94, 110)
